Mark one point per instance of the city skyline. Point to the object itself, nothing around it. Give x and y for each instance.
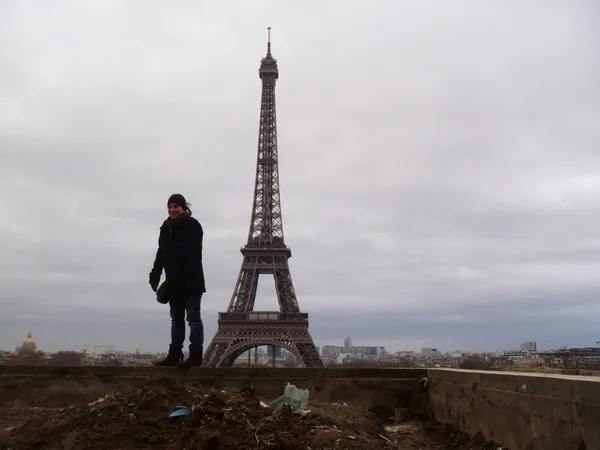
(340, 343)
(439, 167)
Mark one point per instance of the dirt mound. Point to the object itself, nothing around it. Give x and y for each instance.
(138, 417)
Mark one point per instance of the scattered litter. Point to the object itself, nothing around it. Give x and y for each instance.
(183, 410)
(296, 398)
(400, 428)
(180, 411)
(110, 396)
(400, 415)
(100, 400)
(382, 436)
(264, 405)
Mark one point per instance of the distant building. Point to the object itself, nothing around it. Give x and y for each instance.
(528, 346)
(587, 354)
(514, 355)
(274, 348)
(28, 344)
(348, 342)
(333, 351)
(369, 351)
(342, 357)
(430, 352)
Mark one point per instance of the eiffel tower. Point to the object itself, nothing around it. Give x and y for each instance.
(241, 328)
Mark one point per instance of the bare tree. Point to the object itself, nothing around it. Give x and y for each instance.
(564, 358)
(475, 362)
(25, 358)
(405, 361)
(65, 359)
(357, 363)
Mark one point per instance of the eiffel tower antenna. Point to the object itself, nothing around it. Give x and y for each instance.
(241, 328)
(268, 41)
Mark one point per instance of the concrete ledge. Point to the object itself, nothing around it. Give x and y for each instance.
(250, 373)
(521, 411)
(587, 372)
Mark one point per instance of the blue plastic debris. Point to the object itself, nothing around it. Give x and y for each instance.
(180, 411)
(183, 410)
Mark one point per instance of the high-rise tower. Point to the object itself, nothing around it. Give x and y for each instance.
(241, 328)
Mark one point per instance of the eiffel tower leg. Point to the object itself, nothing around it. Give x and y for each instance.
(215, 350)
(287, 299)
(285, 290)
(243, 297)
(244, 293)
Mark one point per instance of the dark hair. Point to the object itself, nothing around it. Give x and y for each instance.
(179, 199)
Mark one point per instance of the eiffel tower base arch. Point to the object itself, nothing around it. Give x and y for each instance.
(233, 339)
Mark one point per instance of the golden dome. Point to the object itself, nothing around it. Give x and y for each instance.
(29, 339)
(28, 343)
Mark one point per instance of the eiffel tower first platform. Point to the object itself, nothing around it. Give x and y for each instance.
(241, 328)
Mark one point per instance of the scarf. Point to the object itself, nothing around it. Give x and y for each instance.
(174, 223)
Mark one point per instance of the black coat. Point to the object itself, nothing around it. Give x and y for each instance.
(180, 254)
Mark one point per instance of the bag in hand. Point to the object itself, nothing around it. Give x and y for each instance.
(166, 292)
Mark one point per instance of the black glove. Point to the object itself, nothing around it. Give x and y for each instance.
(154, 281)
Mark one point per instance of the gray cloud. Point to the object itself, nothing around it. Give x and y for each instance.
(439, 166)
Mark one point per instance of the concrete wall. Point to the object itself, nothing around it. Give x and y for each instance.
(517, 410)
(555, 371)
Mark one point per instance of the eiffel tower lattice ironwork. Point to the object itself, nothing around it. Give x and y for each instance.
(241, 328)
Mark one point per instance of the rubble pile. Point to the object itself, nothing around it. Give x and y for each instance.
(164, 413)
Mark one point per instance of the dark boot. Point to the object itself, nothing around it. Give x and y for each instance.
(194, 360)
(174, 356)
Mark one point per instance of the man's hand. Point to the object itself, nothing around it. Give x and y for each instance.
(154, 281)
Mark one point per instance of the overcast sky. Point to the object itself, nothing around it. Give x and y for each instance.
(439, 164)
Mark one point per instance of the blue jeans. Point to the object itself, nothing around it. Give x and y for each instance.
(180, 308)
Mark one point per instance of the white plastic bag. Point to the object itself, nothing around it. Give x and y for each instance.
(296, 398)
